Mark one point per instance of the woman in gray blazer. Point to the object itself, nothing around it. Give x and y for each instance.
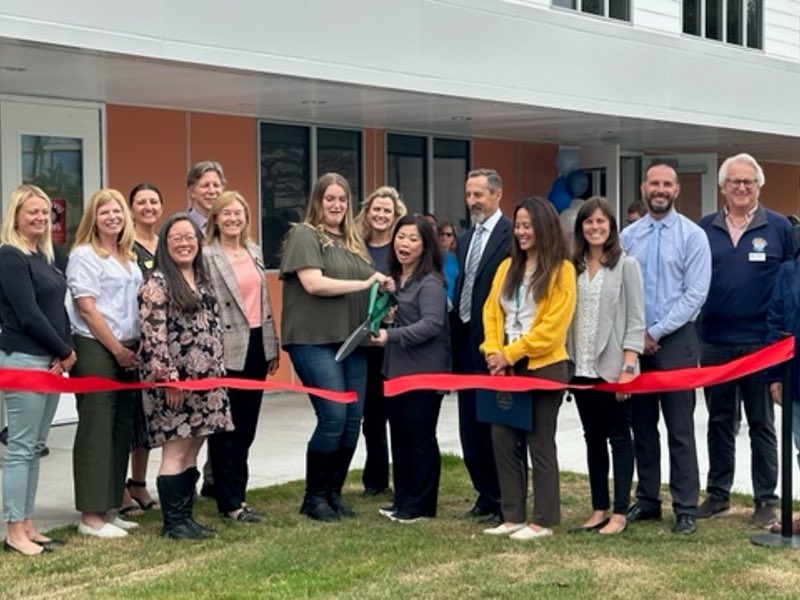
(605, 340)
(236, 269)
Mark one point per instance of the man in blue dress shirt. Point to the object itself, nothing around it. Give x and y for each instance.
(675, 259)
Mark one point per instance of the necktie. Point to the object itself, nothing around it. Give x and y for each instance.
(474, 258)
(651, 274)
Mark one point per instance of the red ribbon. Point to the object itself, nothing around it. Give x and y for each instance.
(26, 380)
(654, 381)
(650, 382)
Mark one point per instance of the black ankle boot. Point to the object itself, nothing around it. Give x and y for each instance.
(172, 494)
(342, 460)
(319, 466)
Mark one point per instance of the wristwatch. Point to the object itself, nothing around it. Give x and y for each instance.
(629, 369)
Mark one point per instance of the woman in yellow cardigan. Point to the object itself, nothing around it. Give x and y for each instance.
(525, 319)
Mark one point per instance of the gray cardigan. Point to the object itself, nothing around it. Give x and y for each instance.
(420, 340)
(235, 329)
(621, 325)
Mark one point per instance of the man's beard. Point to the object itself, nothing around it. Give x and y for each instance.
(659, 209)
(477, 216)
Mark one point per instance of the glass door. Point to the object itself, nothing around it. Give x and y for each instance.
(58, 149)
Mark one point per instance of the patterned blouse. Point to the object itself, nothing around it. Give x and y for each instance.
(178, 345)
(587, 315)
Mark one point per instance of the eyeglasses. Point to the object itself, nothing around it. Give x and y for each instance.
(446, 234)
(735, 183)
(179, 239)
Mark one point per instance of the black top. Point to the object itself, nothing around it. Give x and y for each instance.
(145, 260)
(33, 318)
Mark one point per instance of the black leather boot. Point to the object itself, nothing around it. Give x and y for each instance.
(190, 477)
(172, 494)
(336, 482)
(319, 466)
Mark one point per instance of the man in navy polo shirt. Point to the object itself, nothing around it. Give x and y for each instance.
(748, 244)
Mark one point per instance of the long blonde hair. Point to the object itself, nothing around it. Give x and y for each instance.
(313, 217)
(385, 191)
(212, 230)
(87, 229)
(10, 235)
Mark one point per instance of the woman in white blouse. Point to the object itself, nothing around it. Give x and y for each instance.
(104, 279)
(605, 340)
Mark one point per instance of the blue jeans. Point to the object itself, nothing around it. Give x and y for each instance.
(338, 424)
(29, 415)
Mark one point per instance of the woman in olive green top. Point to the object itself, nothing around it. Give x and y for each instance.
(326, 272)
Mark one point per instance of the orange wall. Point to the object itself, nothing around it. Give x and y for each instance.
(146, 144)
(527, 169)
(374, 159)
(782, 189)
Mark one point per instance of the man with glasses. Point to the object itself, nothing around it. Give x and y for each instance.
(748, 244)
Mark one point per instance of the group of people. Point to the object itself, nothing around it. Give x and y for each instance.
(135, 303)
(663, 294)
(190, 301)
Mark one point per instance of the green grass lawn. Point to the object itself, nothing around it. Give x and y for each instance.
(290, 556)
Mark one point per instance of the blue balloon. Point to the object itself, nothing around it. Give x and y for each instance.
(559, 195)
(567, 160)
(577, 183)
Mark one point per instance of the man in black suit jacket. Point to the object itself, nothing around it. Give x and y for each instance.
(480, 250)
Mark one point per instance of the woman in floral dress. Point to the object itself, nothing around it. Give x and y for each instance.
(181, 339)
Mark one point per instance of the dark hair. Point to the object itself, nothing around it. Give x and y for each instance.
(178, 290)
(440, 226)
(612, 251)
(431, 259)
(141, 187)
(638, 207)
(201, 168)
(551, 250)
(660, 163)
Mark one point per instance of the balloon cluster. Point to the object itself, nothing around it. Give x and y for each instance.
(571, 183)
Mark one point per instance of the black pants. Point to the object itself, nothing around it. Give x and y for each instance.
(476, 436)
(606, 421)
(679, 349)
(228, 450)
(723, 418)
(413, 418)
(376, 416)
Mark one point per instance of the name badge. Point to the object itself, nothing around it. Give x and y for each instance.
(757, 257)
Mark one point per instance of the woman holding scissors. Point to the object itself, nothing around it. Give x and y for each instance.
(326, 272)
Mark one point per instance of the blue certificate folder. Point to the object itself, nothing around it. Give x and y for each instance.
(512, 409)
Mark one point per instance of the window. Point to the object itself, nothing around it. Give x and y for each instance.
(407, 169)
(738, 22)
(410, 170)
(615, 9)
(450, 167)
(288, 171)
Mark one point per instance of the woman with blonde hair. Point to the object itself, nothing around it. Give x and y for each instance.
(326, 272)
(34, 334)
(379, 212)
(236, 270)
(104, 280)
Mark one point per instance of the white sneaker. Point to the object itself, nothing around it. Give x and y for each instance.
(123, 524)
(504, 529)
(526, 534)
(106, 531)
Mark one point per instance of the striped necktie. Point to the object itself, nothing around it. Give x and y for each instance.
(474, 259)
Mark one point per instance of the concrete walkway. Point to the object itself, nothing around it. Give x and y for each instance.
(278, 454)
